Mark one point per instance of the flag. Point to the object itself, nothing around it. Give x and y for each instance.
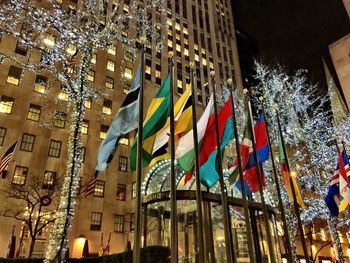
(185, 150)
(6, 158)
(125, 121)
(156, 117)
(344, 186)
(287, 177)
(208, 154)
(90, 186)
(11, 246)
(107, 247)
(333, 199)
(183, 120)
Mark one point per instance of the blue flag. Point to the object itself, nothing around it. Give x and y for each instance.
(125, 121)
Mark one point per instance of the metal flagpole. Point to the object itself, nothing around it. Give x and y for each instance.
(227, 219)
(198, 183)
(173, 210)
(281, 207)
(296, 206)
(258, 172)
(138, 204)
(241, 179)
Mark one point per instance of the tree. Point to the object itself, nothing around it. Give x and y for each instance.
(33, 203)
(66, 37)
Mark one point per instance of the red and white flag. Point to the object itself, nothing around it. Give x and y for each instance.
(6, 159)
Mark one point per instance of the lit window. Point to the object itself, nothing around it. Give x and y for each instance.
(196, 57)
(178, 47)
(99, 188)
(87, 103)
(34, 112)
(123, 163)
(126, 8)
(185, 31)
(49, 41)
(71, 49)
(6, 104)
(186, 41)
(48, 180)
(148, 70)
(85, 127)
(96, 221)
(93, 58)
(63, 95)
(170, 43)
(179, 83)
(157, 74)
(169, 22)
(103, 131)
(20, 175)
(40, 84)
(203, 51)
(27, 142)
(110, 65)
(195, 47)
(21, 49)
(70, 70)
(129, 57)
(121, 192)
(119, 223)
(109, 82)
(107, 107)
(186, 52)
(112, 49)
(204, 61)
(178, 37)
(125, 34)
(60, 120)
(126, 88)
(14, 75)
(2, 135)
(133, 190)
(91, 75)
(211, 65)
(55, 148)
(128, 73)
(124, 140)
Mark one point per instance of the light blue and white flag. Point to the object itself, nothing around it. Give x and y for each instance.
(125, 121)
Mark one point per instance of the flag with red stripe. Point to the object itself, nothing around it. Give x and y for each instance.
(90, 187)
(6, 158)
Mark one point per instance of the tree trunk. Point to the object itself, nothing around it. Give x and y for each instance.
(31, 247)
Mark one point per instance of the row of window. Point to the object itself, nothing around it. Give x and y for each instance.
(119, 222)
(21, 173)
(121, 190)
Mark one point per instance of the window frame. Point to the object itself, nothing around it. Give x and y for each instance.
(27, 146)
(120, 224)
(6, 103)
(123, 188)
(122, 164)
(52, 150)
(31, 114)
(46, 183)
(101, 183)
(96, 227)
(26, 169)
(14, 75)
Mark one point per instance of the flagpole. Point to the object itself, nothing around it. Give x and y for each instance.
(230, 257)
(280, 203)
(296, 206)
(173, 211)
(198, 183)
(241, 179)
(138, 201)
(258, 172)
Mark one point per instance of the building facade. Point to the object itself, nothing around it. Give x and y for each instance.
(33, 110)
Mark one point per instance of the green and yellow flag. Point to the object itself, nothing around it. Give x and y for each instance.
(156, 117)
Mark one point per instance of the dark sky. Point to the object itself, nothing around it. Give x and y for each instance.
(294, 33)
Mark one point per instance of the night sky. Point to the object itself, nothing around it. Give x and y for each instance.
(294, 33)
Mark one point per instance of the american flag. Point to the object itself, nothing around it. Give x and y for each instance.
(90, 187)
(6, 158)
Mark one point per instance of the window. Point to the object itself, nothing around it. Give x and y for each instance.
(85, 127)
(34, 112)
(103, 131)
(60, 120)
(91, 75)
(40, 84)
(126, 88)
(49, 41)
(129, 57)
(99, 188)
(83, 152)
(6, 104)
(21, 49)
(107, 107)
(63, 95)
(14, 75)
(55, 148)
(128, 73)
(49, 180)
(96, 221)
(2, 135)
(119, 223)
(112, 49)
(121, 192)
(132, 221)
(27, 142)
(87, 103)
(109, 82)
(110, 65)
(93, 58)
(133, 190)
(124, 140)
(123, 163)
(71, 49)
(20, 175)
